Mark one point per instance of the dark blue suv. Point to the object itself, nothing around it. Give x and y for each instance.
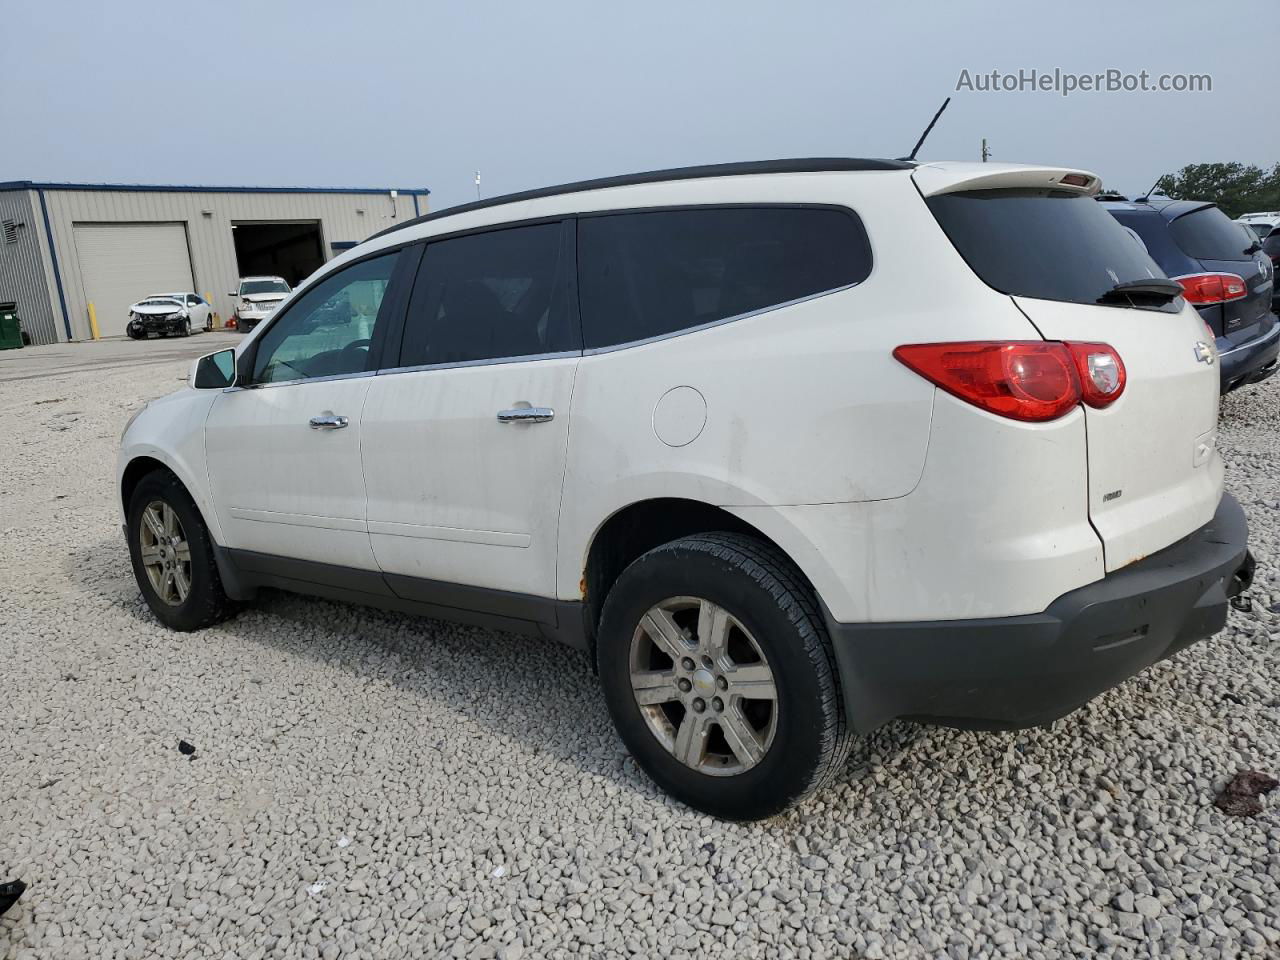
(1223, 274)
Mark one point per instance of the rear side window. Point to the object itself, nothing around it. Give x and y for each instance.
(1154, 232)
(489, 296)
(643, 275)
(1046, 244)
(1208, 234)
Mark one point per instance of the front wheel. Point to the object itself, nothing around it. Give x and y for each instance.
(719, 675)
(172, 555)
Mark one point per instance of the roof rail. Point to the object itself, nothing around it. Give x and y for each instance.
(799, 165)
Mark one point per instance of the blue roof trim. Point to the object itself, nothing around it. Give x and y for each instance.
(177, 188)
(342, 244)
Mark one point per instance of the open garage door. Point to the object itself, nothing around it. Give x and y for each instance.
(120, 263)
(291, 250)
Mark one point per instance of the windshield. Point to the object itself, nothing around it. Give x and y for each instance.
(263, 286)
(1047, 244)
(1261, 229)
(159, 302)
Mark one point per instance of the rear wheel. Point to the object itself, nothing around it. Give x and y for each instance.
(718, 673)
(172, 555)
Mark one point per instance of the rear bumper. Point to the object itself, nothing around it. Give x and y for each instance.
(1009, 672)
(1252, 361)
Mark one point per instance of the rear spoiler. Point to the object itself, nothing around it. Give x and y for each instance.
(932, 179)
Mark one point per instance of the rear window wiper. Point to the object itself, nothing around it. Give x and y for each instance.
(1152, 290)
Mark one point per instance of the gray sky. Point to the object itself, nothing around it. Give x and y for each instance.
(423, 94)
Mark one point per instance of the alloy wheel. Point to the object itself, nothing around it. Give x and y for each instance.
(703, 686)
(165, 553)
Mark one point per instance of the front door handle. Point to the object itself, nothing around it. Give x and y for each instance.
(526, 415)
(328, 422)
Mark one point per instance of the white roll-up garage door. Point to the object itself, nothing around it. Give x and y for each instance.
(120, 263)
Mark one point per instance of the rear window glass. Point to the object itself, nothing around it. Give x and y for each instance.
(1208, 234)
(643, 275)
(1046, 244)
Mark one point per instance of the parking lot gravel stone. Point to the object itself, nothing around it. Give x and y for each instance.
(490, 811)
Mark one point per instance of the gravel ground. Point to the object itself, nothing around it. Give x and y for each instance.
(366, 784)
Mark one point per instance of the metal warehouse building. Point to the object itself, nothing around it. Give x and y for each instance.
(66, 245)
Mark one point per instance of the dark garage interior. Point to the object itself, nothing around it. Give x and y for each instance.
(289, 250)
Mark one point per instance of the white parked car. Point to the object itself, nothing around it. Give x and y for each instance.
(169, 314)
(791, 448)
(1261, 223)
(257, 298)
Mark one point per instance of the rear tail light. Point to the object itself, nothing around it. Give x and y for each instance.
(1101, 373)
(1024, 380)
(1203, 289)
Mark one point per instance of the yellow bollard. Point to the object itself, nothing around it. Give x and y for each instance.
(93, 321)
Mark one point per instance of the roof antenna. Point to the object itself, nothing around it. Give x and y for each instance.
(1146, 197)
(920, 142)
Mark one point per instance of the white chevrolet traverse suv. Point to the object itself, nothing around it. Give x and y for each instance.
(791, 448)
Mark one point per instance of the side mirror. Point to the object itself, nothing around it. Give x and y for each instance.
(234, 293)
(217, 371)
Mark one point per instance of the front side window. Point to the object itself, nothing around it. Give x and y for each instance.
(643, 275)
(329, 329)
(193, 301)
(490, 296)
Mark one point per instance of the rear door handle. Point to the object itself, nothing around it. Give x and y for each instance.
(526, 415)
(328, 422)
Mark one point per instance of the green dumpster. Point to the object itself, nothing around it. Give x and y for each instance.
(10, 330)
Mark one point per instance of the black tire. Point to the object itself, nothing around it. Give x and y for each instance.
(206, 603)
(186, 328)
(767, 594)
(134, 334)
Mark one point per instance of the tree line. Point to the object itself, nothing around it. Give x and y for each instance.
(1235, 187)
